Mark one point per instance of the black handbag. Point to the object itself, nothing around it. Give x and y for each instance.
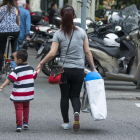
(57, 75)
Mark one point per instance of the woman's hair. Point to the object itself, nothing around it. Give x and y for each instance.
(9, 4)
(67, 14)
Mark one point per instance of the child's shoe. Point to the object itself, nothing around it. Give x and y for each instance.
(19, 128)
(65, 126)
(25, 125)
(76, 124)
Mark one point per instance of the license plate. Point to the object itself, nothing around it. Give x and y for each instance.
(40, 50)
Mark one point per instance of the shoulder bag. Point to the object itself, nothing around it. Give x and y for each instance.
(58, 75)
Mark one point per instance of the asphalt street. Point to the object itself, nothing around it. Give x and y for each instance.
(122, 123)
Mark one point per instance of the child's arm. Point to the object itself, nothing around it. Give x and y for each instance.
(7, 82)
(38, 71)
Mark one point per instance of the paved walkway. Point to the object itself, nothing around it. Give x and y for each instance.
(123, 122)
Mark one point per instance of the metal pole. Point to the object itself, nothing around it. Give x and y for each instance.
(84, 14)
(83, 22)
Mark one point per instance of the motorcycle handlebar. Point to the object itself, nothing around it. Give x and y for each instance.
(128, 37)
(120, 39)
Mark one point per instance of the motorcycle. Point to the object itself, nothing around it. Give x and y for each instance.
(107, 58)
(40, 27)
(44, 50)
(42, 35)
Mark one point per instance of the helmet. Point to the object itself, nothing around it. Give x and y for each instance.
(24, 45)
(115, 18)
(109, 40)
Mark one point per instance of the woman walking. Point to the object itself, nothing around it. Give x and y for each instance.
(74, 63)
(9, 26)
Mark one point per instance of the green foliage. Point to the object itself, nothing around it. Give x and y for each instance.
(101, 7)
(125, 2)
(128, 2)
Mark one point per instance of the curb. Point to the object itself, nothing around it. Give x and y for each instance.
(121, 98)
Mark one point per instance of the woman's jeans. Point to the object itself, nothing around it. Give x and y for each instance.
(3, 42)
(71, 90)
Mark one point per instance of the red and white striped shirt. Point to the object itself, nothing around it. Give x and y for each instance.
(23, 78)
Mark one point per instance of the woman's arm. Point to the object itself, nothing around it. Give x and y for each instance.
(50, 55)
(89, 54)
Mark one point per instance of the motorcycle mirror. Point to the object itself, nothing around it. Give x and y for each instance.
(99, 23)
(128, 38)
(118, 28)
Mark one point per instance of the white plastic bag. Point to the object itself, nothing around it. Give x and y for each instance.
(96, 95)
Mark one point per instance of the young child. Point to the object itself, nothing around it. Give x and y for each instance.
(23, 91)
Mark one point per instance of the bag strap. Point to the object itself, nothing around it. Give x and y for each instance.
(3, 16)
(68, 47)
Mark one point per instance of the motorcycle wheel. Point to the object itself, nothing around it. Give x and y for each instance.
(31, 45)
(37, 46)
(47, 67)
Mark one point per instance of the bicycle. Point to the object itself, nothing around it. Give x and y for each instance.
(7, 69)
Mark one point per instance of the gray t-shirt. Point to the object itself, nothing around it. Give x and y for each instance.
(75, 56)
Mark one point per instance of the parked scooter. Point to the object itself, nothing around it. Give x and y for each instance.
(105, 35)
(40, 27)
(44, 50)
(106, 58)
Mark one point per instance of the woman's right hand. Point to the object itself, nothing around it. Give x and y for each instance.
(40, 66)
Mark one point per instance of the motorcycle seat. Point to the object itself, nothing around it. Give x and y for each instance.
(112, 51)
(96, 39)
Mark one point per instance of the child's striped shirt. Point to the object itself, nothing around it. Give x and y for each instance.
(23, 78)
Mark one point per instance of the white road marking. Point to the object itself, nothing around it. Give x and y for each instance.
(137, 104)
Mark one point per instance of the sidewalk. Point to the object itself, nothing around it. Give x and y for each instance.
(121, 90)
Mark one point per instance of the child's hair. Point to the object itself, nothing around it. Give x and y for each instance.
(22, 54)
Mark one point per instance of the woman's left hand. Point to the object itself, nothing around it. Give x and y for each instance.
(49, 56)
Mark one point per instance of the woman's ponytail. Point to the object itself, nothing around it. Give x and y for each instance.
(67, 14)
